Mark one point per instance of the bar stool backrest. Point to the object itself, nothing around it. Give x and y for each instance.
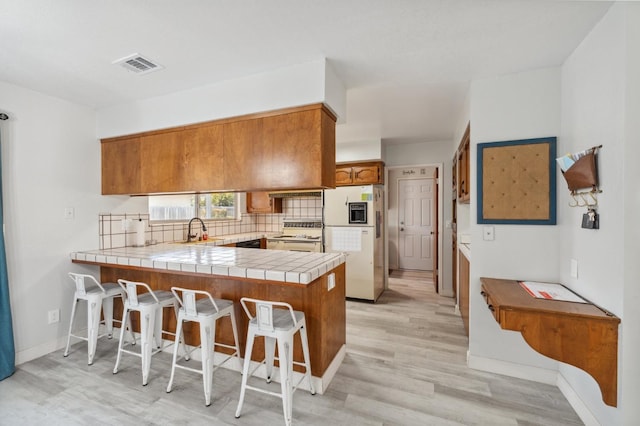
(187, 299)
(131, 288)
(189, 303)
(264, 312)
(81, 285)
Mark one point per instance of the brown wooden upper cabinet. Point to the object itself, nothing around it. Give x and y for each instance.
(360, 173)
(121, 166)
(191, 158)
(286, 149)
(464, 175)
(244, 155)
(260, 202)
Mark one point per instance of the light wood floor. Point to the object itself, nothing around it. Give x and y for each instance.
(405, 365)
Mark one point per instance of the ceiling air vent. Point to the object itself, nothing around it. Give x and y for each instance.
(138, 64)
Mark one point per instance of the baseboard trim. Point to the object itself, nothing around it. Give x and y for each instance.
(520, 371)
(576, 402)
(535, 374)
(40, 350)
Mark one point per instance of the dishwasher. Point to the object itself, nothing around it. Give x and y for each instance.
(249, 244)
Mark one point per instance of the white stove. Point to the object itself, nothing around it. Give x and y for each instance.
(298, 235)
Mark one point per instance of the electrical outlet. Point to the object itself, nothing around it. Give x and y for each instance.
(69, 213)
(331, 281)
(487, 233)
(54, 316)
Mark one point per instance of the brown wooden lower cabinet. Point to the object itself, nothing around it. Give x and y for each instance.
(580, 334)
(325, 310)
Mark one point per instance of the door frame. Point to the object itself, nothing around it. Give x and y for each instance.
(429, 265)
(440, 212)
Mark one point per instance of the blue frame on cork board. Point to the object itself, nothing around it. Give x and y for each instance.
(551, 141)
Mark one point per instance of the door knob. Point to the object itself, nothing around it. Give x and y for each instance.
(402, 229)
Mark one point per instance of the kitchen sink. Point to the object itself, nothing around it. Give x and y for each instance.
(210, 240)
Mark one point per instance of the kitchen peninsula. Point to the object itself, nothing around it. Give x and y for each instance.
(311, 282)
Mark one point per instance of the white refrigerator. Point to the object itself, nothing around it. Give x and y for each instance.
(354, 224)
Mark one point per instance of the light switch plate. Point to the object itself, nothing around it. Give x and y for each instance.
(574, 268)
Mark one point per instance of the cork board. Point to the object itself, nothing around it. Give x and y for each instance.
(517, 182)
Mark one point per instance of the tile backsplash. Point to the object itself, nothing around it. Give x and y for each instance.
(302, 207)
(114, 233)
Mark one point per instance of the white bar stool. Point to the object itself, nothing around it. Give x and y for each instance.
(150, 305)
(99, 297)
(276, 325)
(205, 311)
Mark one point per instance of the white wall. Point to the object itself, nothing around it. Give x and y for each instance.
(429, 153)
(50, 161)
(512, 107)
(600, 106)
(593, 99)
(359, 151)
(630, 368)
(308, 83)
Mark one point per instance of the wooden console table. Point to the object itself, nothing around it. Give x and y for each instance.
(580, 334)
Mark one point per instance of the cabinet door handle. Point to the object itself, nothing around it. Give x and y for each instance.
(491, 308)
(482, 293)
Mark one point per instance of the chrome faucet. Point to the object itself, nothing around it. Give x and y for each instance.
(191, 237)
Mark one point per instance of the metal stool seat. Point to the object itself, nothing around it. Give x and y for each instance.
(99, 297)
(278, 326)
(150, 305)
(206, 311)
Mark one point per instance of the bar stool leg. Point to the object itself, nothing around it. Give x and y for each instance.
(269, 353)
(305, 352)
(157, 329)
(176, 310)
(93, 324)
(234, 327)
(207, 333)
(285, 353)
(125, 319)
(73, 315)
(175, 352)
(147, 327)
(107, 310)
(245, 370)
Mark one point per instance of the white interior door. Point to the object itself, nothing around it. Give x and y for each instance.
(415, 224)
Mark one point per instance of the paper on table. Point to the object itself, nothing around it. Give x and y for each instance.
(346, 239)
(550, 291)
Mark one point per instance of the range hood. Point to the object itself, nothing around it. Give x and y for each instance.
(296, 193)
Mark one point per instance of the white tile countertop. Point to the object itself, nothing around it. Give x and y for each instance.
(208, 259)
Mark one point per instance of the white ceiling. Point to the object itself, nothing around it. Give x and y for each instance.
(406, 64)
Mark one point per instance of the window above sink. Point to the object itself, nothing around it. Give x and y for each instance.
(183, 207)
